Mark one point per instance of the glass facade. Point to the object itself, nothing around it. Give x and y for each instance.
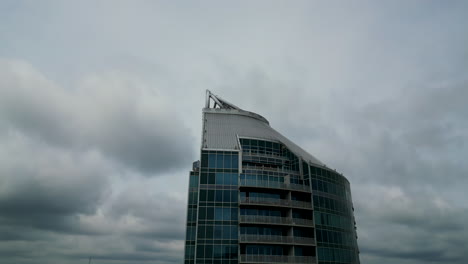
(257, 200)
(334, 218)
(276, 216)
(190, 234)
(216, 238)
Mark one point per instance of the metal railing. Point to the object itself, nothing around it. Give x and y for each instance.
(275, 202)
(261, 219)
(266, 239)
(275, 185)
(301, 221)
(304, 240)
(264, 219)
(265, 154)
(299, 187)
(265, 201)
(276, 259)
(276, 239)
(286, 171)
(301, 204)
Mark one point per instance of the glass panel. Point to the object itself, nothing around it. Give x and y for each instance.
(211, 194)
(226, 214)
(211, 178)
(212, 160)
(227, 178)
(234, 196)
(219, 178)
(227, 161)
(218, 213)
(226, 196)
(235, 162)
(218, 195)
(219, 161)
(234, 214)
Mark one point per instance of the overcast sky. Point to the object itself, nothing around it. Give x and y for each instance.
(100, 118)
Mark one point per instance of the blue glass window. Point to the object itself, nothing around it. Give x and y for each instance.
(218, 195)
(218, 231)
(212, 160)
(220, 178)
(235, 162)
(226, 213)
(226, 196)
(219, 161)
(234, 196)
(227, 161)
(218, 213)
(227, 178)
(234, 214)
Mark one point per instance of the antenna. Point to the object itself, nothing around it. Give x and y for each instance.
(218, 101)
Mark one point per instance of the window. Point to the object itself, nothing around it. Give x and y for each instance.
(218, 213)
(212, 161)
(219, 196)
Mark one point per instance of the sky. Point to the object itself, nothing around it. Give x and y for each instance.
(100, 118)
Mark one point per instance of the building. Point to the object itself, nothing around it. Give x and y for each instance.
(256, 197)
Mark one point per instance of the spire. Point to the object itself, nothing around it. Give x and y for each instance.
(218, 102)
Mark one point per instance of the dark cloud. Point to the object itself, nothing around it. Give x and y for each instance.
(112, 257)
(416, 226)
(114, 113)
(146, 207)
(46, 189)
(66, 154)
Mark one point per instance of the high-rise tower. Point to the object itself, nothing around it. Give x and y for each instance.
(256, 197)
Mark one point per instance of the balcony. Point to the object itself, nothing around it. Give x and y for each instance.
(265, 201)
(262, 219)
(263, 158)
(264, 168)
(266, 154)
(304, 240)
(275, 202)
(276, 239)
(276, 259)
(302, 222)
(301, 204)
(275, 185)
(266, 239)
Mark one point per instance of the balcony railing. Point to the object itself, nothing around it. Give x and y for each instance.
(266, 239)
(276, 259)
(264, 154)
(304, 240)
(275, 185)
(276, 239)
(265, 201)
(262, 219)
(275, 202)
(301, 221)
(286, 171)
(301, 204)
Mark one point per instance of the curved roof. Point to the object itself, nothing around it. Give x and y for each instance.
(223, 126)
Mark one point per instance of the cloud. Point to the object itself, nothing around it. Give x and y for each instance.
(72, 162)
(76, 205)
(115, 113)
(46, 188)
(432, 229)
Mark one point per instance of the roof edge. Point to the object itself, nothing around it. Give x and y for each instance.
(232, 111)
